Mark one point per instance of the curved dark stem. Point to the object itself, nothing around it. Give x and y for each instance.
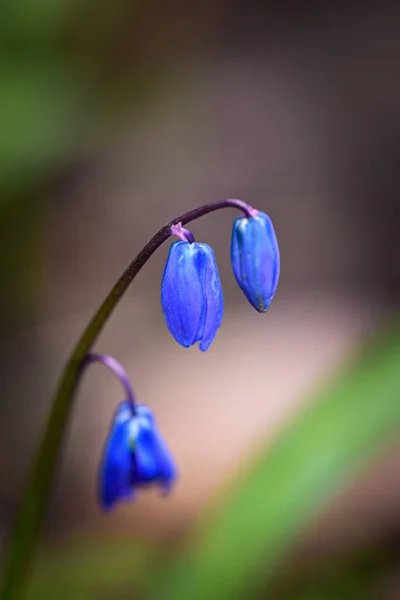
(31, 512)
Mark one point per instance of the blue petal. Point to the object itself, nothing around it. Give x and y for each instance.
(182, 295)
(191, 294)
(144, 412)
(152, 459)
(215, 301)
(255, 259)
(116, 466)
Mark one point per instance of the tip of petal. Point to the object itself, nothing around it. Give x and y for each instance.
(261, 304)
(107, 505)
(109, 501)
(205, 346)
(262, 307)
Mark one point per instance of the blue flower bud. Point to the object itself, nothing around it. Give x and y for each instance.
(255, 259)
(134, 456)
(191, 294)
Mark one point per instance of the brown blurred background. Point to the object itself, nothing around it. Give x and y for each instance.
(119, 118)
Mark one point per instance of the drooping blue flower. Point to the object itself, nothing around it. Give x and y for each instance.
(255, 259)
(191, 294)
(135, 455)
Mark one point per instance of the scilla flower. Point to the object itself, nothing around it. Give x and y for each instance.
(255, 258)
(191, 293)
(134, 456)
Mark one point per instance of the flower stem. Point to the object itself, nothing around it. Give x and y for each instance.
(183, 234)
(118, 370)
(30, 515)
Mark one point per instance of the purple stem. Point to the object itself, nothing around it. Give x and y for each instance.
(118, 370)
(182, 233)
(98, 321)
(163, 234)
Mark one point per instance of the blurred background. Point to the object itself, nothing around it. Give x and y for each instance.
(117, 117)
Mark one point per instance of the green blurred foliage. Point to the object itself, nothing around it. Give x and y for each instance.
(67, 82)
(97, 568)
(92, 568)
(43, 102)
(40, 106)
(40, 103)
(70, 72)
(41, 21)
(52, 62)
(242, 541)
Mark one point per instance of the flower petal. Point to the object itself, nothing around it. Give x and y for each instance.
(215, 300)
(182, 296)
(255, 259)
(116, 466)
(152, 459)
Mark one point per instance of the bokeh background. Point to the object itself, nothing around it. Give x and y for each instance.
(114, 119)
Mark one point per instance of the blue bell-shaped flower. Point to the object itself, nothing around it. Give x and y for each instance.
(191, 294)
(255, 259)
(134, 456)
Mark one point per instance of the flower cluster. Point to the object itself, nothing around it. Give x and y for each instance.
(135, 454)
(191, 291)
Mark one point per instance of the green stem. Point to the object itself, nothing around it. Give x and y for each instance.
(30, 515)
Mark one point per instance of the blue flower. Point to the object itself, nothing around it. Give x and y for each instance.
(134, 456)
(255, 259)
(191, 294)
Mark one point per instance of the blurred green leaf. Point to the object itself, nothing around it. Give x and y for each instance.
(237, 547)
(41, 104)
(80, 567)
(29, 20)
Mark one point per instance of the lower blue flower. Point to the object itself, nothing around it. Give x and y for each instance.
(135, 455)
(191, 294)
